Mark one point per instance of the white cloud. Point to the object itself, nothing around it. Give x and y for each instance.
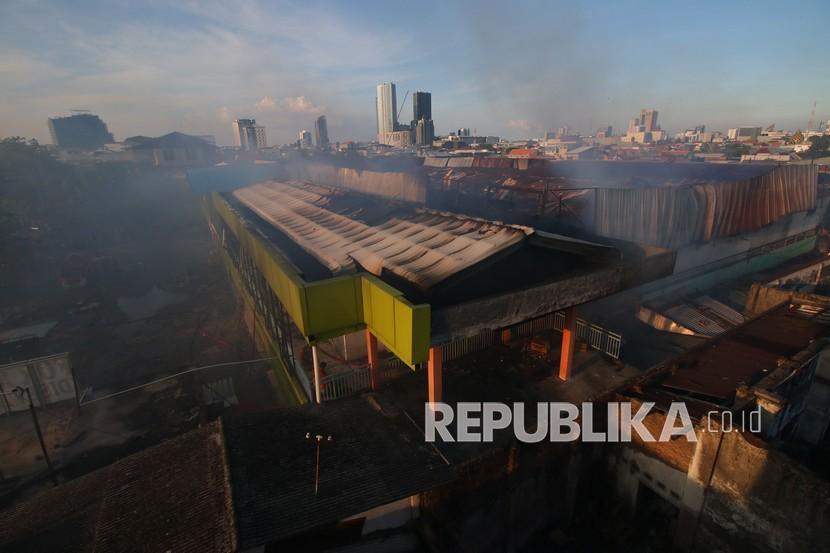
(266, 104)
(302, 105)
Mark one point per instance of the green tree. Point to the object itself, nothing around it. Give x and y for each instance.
(819, 146)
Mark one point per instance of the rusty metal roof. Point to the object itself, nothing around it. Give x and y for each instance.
(745, 355)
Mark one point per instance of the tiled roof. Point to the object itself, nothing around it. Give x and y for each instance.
(171, 497)
(374, 458)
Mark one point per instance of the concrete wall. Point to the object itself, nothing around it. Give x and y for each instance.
(761, 500)
(761, 298)
(504, 499)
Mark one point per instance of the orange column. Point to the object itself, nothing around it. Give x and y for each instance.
(566, 356)
(505, 336)
(374, 364)
(435, 378)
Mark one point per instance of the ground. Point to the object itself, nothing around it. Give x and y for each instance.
(139, 292)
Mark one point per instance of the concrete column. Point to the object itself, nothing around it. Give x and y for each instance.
(435, 377)
(566, 356)
(505, 336)
(317, 395)
(374, 363)
(698, 479)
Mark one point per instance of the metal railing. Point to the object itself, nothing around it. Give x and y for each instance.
(344, 383)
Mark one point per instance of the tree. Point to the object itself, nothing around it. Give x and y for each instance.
(819, 146)
(733, 150)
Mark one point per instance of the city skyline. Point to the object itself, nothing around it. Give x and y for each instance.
(204, 66)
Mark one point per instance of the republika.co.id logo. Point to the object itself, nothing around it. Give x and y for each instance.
(561, 422)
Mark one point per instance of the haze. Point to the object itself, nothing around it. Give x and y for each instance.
(495, 67)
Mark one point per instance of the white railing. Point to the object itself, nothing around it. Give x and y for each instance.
(344, 383)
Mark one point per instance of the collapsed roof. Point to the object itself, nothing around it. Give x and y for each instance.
(420, 246)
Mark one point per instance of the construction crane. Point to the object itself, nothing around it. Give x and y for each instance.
(405, 96)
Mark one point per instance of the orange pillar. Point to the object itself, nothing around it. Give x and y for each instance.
(435, 378)
(374, 364)
(566, 356)
(505, 336)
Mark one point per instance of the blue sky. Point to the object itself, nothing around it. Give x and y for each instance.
(506, 68)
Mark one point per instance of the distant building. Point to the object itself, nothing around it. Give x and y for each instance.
(387, 110)
(171, 150)
(82, 131)
(397, 139)
(261, 141)
(321, 132)
(421, 106)
(742, 134)
(648, 119)
(305, 139)
(422, 125)
(248, 135)
(644, 129)
(424, 132)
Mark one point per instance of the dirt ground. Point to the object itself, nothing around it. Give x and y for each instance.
(138, 292)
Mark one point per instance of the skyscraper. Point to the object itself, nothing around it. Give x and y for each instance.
(305, 139)
(321, 132)
(421, 106)
(248, 135)
(424, 132)
(648, 119)
(387, 109)
(422, 125)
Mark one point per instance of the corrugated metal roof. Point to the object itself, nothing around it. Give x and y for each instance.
(745, 355)
(424, 247)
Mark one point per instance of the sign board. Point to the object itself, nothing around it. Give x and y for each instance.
(49, 380)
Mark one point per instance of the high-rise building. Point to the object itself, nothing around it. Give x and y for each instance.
(321, 132)
(387, 109)
(248, 135)
(83, 131)
(648, 119)
(424, 132)
(421, 106)
(305, 139)
(422, 127)
(259, 138)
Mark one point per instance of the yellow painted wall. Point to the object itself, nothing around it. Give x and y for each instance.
(336, 306)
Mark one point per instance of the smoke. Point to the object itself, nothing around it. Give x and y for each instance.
(553, 74)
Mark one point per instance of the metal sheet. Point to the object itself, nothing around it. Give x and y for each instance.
(424, 247)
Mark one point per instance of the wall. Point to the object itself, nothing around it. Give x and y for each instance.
(407, 186)
(761, 500)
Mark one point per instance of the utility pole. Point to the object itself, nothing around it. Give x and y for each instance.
(20, 390)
